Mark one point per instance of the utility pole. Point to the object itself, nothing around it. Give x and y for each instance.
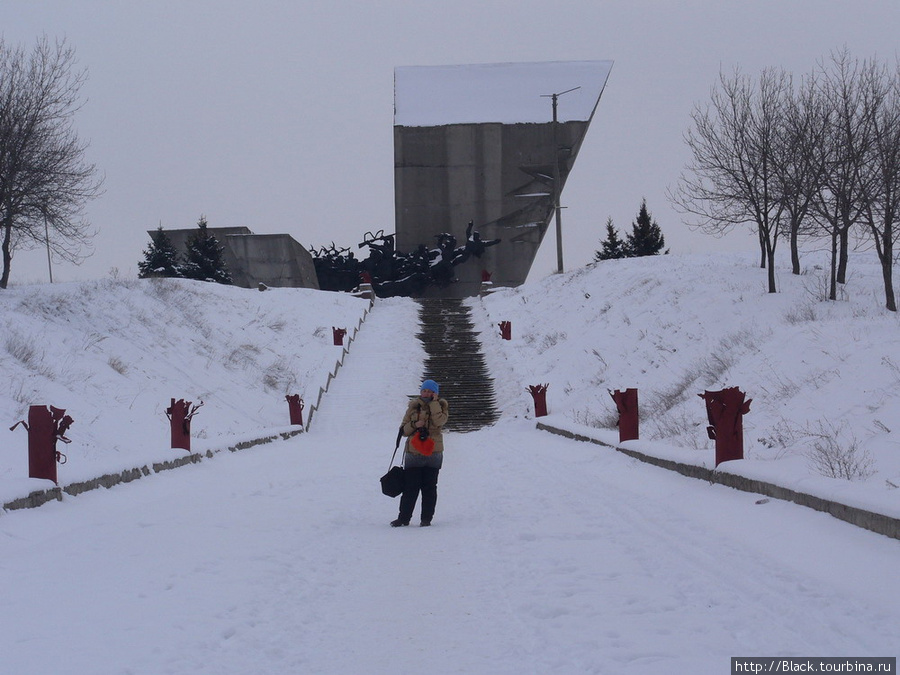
(557, 188)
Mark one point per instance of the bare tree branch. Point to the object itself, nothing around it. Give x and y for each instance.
(737, 142)
(45, 180)
(881, 169)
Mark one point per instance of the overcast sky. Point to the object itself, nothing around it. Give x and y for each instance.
(278, 115)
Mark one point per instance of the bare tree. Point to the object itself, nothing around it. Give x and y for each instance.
(881, 185)
(799, 169)
(44, 178)
(823, 159)
(737, 143)
(839, 201)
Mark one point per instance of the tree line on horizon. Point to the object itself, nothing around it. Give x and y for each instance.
(812, 158)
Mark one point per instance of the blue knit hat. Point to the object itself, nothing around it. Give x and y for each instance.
(431, 385)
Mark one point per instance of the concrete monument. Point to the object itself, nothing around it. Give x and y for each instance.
(478, 144)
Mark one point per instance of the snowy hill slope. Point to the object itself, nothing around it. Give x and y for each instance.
(824, 376)
(546, 556)
(114, 353)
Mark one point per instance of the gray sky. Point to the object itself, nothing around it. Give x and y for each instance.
(278, 115)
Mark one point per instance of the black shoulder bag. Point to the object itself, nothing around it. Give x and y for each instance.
(392, 481)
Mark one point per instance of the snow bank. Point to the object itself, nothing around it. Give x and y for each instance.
(114, 354)
(820, 373)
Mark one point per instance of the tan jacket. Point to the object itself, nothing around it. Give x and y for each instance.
(434, 413)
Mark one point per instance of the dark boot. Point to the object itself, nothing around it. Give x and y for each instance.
(412, 482)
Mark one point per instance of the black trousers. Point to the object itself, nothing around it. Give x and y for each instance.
(418, 479)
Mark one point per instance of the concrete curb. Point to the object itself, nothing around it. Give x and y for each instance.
(39, 497)
(345, 352)
(869, 520)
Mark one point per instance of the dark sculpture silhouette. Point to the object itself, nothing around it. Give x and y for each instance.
(475, 245)
(392, 273)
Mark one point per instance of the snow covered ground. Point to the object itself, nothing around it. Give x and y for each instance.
(824, 376)
(114, 354)
(547, 555)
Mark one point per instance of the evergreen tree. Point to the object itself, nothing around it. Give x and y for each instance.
(204, 257)
(613, 247)
(646, 238)
(160, 258)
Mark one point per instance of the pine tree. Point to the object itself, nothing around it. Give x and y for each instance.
(613, 247)
(646, 238)
(204, 257)
(160, 258)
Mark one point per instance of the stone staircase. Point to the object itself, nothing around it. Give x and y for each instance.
(456, 363)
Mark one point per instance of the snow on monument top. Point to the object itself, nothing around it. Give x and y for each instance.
(506, 93)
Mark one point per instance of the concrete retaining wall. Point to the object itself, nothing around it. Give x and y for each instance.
(39, 497)
(869, 520)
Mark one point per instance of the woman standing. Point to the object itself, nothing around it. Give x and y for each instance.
(423, 453)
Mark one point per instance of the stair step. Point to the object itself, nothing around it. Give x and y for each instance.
(455, 361)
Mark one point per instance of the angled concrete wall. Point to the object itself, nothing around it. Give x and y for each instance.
(179, 238)
(501, 176)
(479, 143)
(276, 260)
(272, 259)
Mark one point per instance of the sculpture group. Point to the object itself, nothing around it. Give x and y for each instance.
(392, 273)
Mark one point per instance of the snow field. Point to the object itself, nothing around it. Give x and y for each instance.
(547, 555)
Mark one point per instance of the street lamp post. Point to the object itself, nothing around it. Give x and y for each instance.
(557, 188)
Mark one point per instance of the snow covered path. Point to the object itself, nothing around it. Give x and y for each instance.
(547, 556)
